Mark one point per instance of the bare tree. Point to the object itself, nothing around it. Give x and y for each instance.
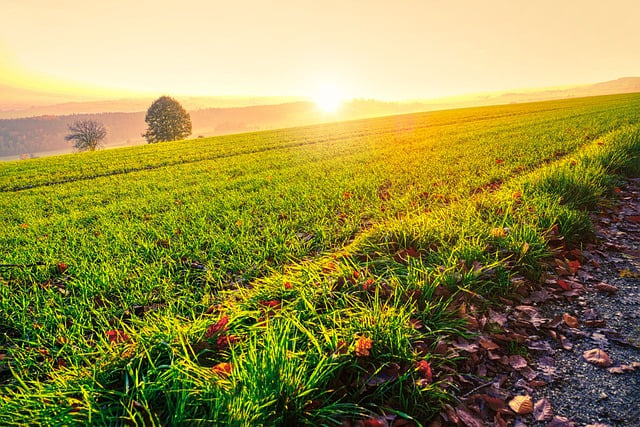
(86, 134)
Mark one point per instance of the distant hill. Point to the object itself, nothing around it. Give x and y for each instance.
(124, 119)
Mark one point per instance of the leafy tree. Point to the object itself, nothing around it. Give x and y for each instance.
(167, 121)
(86, 134)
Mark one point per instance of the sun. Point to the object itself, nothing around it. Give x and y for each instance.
(328, 99)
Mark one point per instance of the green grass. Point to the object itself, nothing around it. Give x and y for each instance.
(308, 240)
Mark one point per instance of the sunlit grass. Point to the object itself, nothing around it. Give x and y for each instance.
(374, 230)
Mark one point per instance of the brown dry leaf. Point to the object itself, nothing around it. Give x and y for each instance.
(570, 321)
(542, 410)
(597, 357)
(616, 370)
(605, 287)
(462, 344)
(521, 405)
(495, 403)
(597, 425)
(468, 418)
(488, 344)
(517, 362)
(363, 347)
(450, 414)
(558, 421)
(497, 318)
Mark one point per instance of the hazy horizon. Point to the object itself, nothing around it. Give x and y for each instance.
(330, 51)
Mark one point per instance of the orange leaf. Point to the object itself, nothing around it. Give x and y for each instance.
(222, 369)
(521, 405)
(571, 321)
(498, 232)
(363, 347)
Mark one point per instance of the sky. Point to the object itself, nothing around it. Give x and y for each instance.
(390, 50)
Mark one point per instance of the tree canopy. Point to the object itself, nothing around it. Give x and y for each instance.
(86, 134)
(167, 120)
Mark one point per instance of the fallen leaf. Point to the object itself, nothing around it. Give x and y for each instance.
(616, 370)
(363, 347)
(517, 362)
(117, 336)
(219, 326)
(424, 370)
(605, 287)
(570, 321)
(597, 357)
(542, 410)
(498, 232)
(558, 421)
(389, 373)
(568, 285)
(468, 418)
(521, 405)
(628, 273)
(488, 344)
(222, 369)
(573, 266)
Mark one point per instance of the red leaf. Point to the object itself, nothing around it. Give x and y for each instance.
(412, 252)
(564, 284)
(62, 267)
(224, 341)
(219, 326)
(573, 266)
(117, 336)
(274, 303)
(372, 422)
(424, 370)
(634, 218)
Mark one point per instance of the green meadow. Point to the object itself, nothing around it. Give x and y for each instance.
(301, 276)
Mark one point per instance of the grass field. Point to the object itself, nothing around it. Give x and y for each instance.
(284, 277)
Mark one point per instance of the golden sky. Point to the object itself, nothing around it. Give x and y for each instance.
(360, 48)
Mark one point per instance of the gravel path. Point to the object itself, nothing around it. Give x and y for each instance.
(580, 391)
(527, 364)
